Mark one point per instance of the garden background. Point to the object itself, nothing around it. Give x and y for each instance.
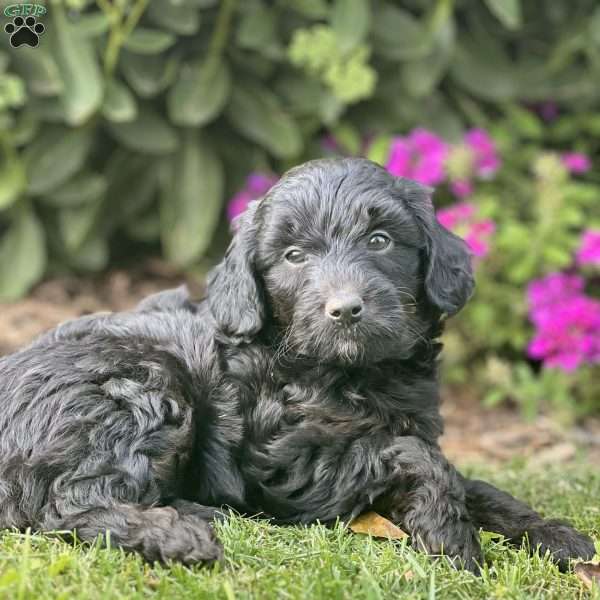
(135, 131)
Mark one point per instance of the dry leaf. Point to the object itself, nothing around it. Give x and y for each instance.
(370, 523)
(588, 573)
(408, 575)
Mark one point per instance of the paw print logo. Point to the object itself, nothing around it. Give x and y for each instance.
(24, 31)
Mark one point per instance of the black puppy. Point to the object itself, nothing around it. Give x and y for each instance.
(304, 387)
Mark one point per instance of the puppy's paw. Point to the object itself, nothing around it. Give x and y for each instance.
(185, 538)
(458, 542)
(562, 541)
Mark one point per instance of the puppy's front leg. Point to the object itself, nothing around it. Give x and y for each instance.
(495, 510)
(427, 499)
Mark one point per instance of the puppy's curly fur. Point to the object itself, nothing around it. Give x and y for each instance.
(304, 387)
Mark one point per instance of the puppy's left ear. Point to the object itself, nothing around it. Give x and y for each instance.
(449, 281)
(234, 294)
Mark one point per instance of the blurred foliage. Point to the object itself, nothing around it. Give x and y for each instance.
(137, 119)
(539, 212)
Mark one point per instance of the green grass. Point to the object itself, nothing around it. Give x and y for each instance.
(264, 561)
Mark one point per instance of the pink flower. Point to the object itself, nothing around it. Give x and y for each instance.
(479, 235)
(589, 249)
(460, 218)
(486, 159)
(576, 162)
(420, 156)
(430, 155)
(461, 189)
(456, 214)
(567, 322)
(544, 293)
(400, 158)
(568, 335)
(257, 185)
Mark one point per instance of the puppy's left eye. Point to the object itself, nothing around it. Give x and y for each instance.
(379, 242)
(295, 256)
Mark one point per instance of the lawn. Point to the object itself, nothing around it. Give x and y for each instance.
(264, 561)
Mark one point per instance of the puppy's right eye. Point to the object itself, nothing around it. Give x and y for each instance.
(295, 256)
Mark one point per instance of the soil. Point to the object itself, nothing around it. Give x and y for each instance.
(474, 434)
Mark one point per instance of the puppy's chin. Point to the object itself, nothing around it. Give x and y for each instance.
(352, 346)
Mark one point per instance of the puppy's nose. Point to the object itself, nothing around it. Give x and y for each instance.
(344, 307)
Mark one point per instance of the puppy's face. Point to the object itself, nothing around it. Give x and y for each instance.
(339, 256)
(345, 260)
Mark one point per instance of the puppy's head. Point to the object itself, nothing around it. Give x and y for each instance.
(348, 262)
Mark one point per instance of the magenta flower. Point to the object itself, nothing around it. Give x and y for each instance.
(552, 289)
(461, 218)
(589, 249)
(576, 162)
(567, 322)
(479, 235)
(486, 159)
(455, 215)
(400, 158)
(420, 156)
(568, 335)
(257, 185)
(462, 189)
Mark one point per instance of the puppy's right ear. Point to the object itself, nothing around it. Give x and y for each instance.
(234, 294)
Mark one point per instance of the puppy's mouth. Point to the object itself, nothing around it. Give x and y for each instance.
(352, 344)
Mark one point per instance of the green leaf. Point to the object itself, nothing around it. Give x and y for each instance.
(258, 115)
(303, 95)
(56, 154)
(175, 16)
(148, 133)
(26, 126)
(75, 224)
(91, 255)
(78, 69)
(92, 25)
(470, 68)
(145, 229)
(312, 9)
(149, 41)
(192, 200)
(47, 109)
(22, 255)
(85, 187)
(508, 12)
(39, 69)
(199, 94)
(258, 29)
(119, 103)
(350, 20)
(398, 35)
(133, 183)
(348, 138)
(379, 149)
(421, 76)
(148, 75)
(556, 256)
(12, 181)
(525, 122)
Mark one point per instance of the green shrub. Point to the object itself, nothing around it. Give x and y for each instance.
(139, 117)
